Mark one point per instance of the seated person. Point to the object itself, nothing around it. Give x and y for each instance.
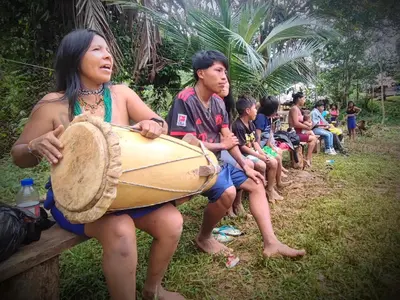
(307, 121)
(265, 129)
(244, 129)
(321, 127)
(237, 208)
(82, 80)
(296, 122)
(199, 111)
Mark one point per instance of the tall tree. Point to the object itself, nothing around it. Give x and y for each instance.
(256, 62)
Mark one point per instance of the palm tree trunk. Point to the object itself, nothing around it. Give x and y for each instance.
(382, 93)
(357, 90)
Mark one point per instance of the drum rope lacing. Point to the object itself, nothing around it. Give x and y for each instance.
(190, 192)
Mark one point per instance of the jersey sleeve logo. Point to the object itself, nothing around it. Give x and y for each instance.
(181, 120)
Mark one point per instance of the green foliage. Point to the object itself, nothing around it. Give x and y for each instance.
(257, 62)
(160, 101)
(11, 175)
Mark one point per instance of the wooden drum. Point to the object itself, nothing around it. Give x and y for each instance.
(107, 168)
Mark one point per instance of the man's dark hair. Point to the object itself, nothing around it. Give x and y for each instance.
(202, 60)
(268, 105)
(243, 103)
(319, 103)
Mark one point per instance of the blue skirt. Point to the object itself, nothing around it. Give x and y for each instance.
(79, 229)
(351, 122)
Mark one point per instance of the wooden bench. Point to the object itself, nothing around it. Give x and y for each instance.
(33, 271)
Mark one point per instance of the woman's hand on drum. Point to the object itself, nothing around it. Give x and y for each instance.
(149, 129)
(48, 145)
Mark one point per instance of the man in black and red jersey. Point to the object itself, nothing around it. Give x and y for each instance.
(199, 111)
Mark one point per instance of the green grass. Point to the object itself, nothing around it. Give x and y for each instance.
(347, 217)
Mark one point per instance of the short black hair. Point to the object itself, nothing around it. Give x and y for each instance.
(319, 103)
(297, 96)
(268, 105)
(243, 103)
(202, 60)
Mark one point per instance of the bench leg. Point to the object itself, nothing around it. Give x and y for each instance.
(40, 282)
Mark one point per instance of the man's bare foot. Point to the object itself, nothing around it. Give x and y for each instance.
(211, 245)
(239, 210)
(282, 184)
(161, 294)
(230, 213)
(273, 195)
(278, 249)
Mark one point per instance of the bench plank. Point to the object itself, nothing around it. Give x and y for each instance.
(38, 283)
(52, 242)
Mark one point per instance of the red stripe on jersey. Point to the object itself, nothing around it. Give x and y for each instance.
(181, 133)
(186, 93)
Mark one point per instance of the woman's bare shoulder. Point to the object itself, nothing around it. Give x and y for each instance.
(120, 88)
(52, 98)
(51, 103)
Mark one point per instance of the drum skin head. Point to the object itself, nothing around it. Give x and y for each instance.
(85, 180)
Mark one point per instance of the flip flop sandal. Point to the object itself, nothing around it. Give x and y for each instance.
(227, 230)
(223, 238)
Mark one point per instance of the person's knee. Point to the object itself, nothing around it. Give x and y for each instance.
(272, 164)
(260, 166)
(171, 224)
(119, 235)
(227, 198)
(312, 140)
(253, 188)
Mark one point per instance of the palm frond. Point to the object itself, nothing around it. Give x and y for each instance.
(289, 65)
(249, 20)
(226, 12)
(216, 36)
(92, 14)
(295, 28)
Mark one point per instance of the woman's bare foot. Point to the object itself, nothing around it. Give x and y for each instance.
(239, 210)
(161, 294)
(285, 170)
(278, 249)
(211, 245)
(283, 175)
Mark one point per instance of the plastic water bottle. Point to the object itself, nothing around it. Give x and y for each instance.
(329, 161)
(28, 198)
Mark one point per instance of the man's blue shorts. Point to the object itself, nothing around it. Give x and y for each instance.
(229, 176)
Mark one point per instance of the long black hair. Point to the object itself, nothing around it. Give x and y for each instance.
(68, 61)
(230, 103)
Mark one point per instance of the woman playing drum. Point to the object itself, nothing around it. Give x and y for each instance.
(83, 71)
